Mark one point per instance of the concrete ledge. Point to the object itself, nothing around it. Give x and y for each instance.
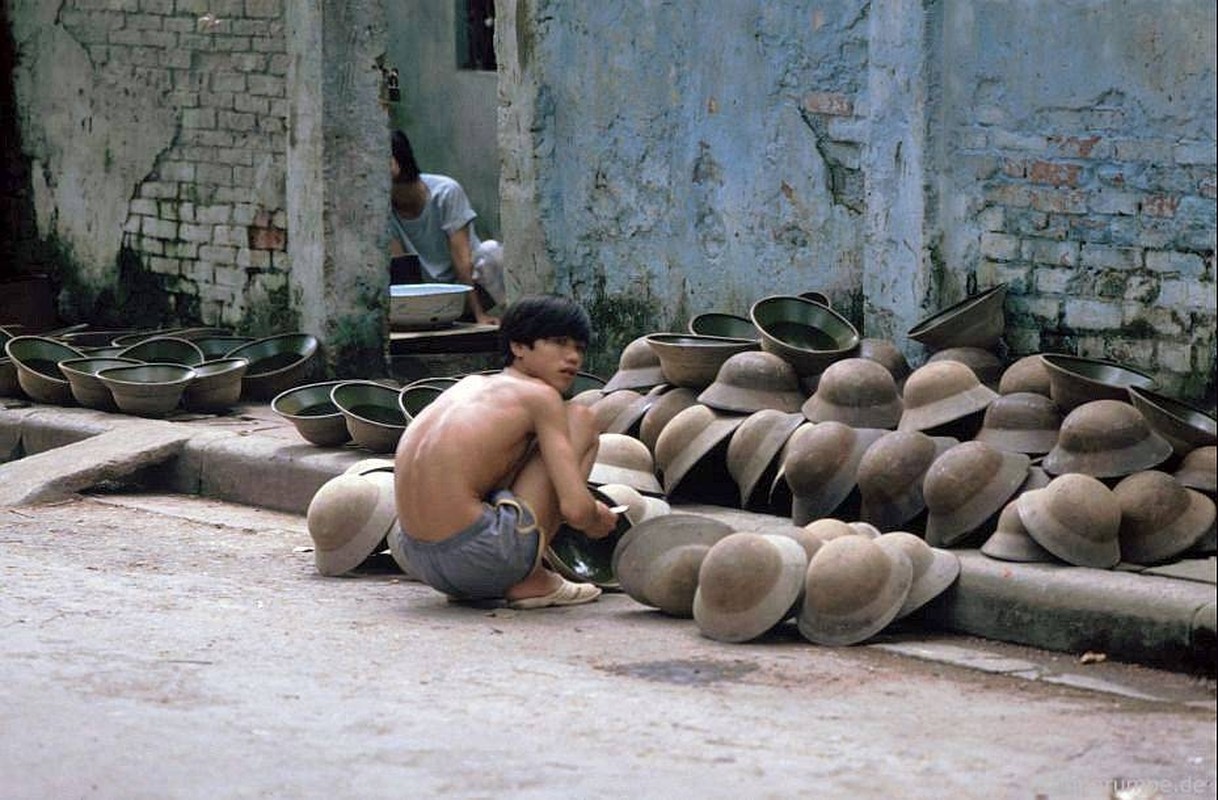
(255, 471)
(1142, 618)
(62, 471)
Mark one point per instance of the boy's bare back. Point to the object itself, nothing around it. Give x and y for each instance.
(472, 439)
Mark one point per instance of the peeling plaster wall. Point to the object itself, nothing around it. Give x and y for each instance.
(681, 159)
(1078, 165)
(92, 133)
(155, 132)
(662, 159)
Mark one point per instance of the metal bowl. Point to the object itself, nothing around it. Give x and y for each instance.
(1074, 380)
(86, 387)
(277, 363)
(9, 387)
(721, 323)
(423, 306)
(576, 557)
(86, 339)
(313, 414)
(216, 385)
(165, 350)
(693, 360)
(134, 337)
(374, 418)
(214, 347)
(976, 321)
(37, 361)
(148, 390)
(808, 335)
(416, 396)
(1184, 427)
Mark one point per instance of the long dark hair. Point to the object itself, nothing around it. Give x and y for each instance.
(403, 153)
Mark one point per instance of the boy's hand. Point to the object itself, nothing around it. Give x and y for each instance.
(606, 522)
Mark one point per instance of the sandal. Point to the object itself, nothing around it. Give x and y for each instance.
(568, 593)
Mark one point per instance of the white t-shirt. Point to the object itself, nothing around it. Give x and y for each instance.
(447, 211)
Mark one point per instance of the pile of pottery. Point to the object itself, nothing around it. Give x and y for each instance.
(882, 470)
(1051, 458)
(369, 414)
(152, 373)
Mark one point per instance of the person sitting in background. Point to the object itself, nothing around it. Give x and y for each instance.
(431, 217)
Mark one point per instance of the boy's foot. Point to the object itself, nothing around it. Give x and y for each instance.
(568, 593)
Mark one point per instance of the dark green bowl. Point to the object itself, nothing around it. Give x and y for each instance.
(976, 321)
(692, 360)
(720, 323)
(149, 390)
(1186, 428)
(165, 350)
(37, 361)
(313, 414)
(219, 346)
(216, 385)
(808, 335)
(1074, 380)
(372, 412)
(416, 396)
(86, 387)
(277, 363)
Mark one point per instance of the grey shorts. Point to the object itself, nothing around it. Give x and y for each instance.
(486, 559)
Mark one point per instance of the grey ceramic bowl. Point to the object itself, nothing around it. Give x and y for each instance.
(88, 339)
(9, 387)
(201, 332)
(720, 323)
(38, 374)
(374, 417)
(808, 335)
(1074, 380)
(165, 350)
(149, 390)
(214, 347)
(277, 363)
(976, 321)
(692, 360)
(1184, 427)
(416, 396)
(86, 387)
(216, 385)
(313, 414)
(134, 337)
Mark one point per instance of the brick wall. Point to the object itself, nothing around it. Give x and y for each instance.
(1107, 242)
(209, 220)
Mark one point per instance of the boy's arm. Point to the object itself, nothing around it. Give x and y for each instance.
(578, 507)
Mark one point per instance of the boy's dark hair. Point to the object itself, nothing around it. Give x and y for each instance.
(403, 153)
(541, 317)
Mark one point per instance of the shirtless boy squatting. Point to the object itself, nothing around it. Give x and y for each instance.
(486, 473)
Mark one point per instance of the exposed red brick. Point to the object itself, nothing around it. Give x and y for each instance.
(1160, 205)
(267, 238)
(1054, 174)
(834, 104)
(1065, 202)
(262, 218)
(1075, 146)
(1014, 168)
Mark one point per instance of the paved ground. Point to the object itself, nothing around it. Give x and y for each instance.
(173, 647)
